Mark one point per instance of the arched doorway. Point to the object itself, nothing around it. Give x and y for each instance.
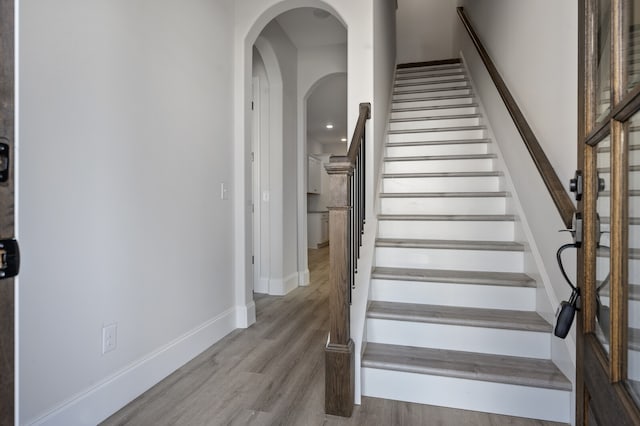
(275, 181)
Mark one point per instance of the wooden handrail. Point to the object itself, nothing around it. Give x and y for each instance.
(346, 225)
(560, 197)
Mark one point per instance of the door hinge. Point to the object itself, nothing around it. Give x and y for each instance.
(252, 157)
(252, 260)
(251, 105)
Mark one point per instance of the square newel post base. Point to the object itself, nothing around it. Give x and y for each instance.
(339, 379)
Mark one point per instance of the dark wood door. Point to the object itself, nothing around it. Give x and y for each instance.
(608, 332)
(7, 132)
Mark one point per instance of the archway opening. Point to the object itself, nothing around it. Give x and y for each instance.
(291, 54)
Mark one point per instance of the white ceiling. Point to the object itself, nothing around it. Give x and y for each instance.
(328, 102)
(306, 30)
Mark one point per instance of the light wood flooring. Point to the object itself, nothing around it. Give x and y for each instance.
(273, 374)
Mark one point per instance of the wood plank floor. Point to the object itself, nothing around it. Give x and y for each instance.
(273, 374)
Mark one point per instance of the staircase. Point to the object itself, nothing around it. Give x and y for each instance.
(451, 319)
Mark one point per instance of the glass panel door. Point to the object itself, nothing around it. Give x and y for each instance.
(633, 255)
(603, 252)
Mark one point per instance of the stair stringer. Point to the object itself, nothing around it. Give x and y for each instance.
(547, 297)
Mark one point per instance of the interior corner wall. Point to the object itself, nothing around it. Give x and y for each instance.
(124, 142)
(425, 30)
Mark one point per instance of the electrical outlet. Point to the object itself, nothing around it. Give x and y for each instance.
(109, 337)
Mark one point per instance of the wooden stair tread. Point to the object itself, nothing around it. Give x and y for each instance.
(466, 365)
(456, 315)
(438, 129)
(451, 244)
(506, 279)
(496, 194)
(443, 157)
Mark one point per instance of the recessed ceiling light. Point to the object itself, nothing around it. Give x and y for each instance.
(329, 126)
(343, 139)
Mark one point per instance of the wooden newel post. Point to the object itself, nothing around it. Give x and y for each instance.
(339, 352)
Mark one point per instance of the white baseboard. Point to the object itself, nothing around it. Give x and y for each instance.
(263, 286)
(280, 287)
(246, 315)
(95, 404)
(303, 278)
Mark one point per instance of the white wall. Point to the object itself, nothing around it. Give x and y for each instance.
(538, 61)
(125, 138)
(426, 30)
(536, 54)
(384, 72)
(282, 185)
(261, 167)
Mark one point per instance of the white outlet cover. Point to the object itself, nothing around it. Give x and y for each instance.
(109, 337)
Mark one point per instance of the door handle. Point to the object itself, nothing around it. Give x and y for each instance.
(4, 160)
(9, 258)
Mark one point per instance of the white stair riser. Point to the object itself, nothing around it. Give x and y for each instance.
(426, 103)
(461, 205)
(447, 230)
(437, 135)
(426, 78)
(409, 86)
(440, 149)
(634, 236)
(462, 260)
(499, 398)
(604, 159)
(423, 94)
(417, 71)
(603, 268)
(442, 184)
(460, 338)
(634, 179)
(439, 166)
(604, 205)
(634, 310)
(453, 294)
(633, 363)
(434, 124)
(433, 112)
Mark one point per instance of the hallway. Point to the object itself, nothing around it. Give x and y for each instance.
(273, 373)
